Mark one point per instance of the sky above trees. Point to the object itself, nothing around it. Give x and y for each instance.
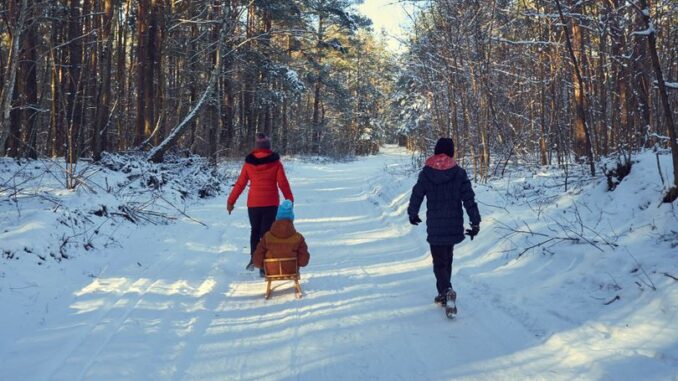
(391, 16)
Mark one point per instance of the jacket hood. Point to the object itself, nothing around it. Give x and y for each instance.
(440, 162)
(440, 169)
(262, 156)
(283, 229)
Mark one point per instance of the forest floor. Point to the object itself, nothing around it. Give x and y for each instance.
(559, 285)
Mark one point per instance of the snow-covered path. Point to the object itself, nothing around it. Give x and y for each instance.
(177, 304)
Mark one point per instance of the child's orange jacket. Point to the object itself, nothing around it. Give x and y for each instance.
(282, 241)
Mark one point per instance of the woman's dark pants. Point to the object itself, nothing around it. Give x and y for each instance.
(261, 219)
(442, 267)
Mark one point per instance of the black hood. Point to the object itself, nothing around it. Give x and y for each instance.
(440, 177)
(272, 158)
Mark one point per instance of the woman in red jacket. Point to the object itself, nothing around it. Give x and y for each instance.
(265, 173)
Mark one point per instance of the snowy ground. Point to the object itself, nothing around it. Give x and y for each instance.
(597, 301)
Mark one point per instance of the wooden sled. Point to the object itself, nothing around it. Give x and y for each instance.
(277, 263)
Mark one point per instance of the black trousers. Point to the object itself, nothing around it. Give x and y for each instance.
(442, 266)
(261, 219)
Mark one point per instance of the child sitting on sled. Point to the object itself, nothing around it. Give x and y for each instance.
(282, 241)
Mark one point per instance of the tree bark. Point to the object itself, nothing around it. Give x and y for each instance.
(74, 81)
(142, 123)
(104, 94)
(316, 93)
(11, 72)
(56, 113)
(668, 116)
(30, 112)
(124, 135)
(582, 134)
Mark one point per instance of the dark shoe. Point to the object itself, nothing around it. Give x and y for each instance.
(440, 299)
(451, 302)
(262, 273)
(250, 266)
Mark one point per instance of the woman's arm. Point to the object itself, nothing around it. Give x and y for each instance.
(417, 197)
(468, 198)
(283, 184)
(239, 186)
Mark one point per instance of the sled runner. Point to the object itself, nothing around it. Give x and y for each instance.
(275, 271)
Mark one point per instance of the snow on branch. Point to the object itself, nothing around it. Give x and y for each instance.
(645, 32)
(525, 42)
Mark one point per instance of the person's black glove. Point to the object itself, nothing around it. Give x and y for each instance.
(473, 231)
(415, 220)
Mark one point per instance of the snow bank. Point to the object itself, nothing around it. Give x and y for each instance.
(41, 219)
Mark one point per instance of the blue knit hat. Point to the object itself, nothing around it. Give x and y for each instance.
(285, 211)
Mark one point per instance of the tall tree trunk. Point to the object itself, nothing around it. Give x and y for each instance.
(123, 79)
(56, 110)
(641, 87)
(88, 76)
(2, 77)
(542, 117)
(601, 141)
(316, 92)
(14, 138)
(74, 81)
(284, 128)
(156, 82)
(30, 113)
(579, 87)
(142, 123)
(149, 66)
(104, 95)
(668, 116)
(191, 58)
(228, 113)
(582, 134)
(213, 117)
(11, 71)
(621, 101)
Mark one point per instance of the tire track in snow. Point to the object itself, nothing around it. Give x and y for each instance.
(204, 319)
(184, 338)
(150, 272)
(371, 204)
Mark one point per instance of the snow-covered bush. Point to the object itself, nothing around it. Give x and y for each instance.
(43, 219)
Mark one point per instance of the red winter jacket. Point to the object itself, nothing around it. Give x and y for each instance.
(265, 173)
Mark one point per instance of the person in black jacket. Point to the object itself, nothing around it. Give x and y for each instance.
(446, 187)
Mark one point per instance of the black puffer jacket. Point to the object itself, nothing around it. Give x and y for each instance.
(446, 187)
